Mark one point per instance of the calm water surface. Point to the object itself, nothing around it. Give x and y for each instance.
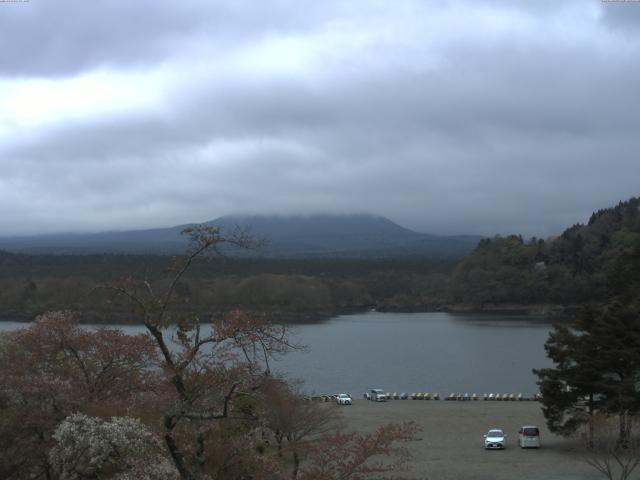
(424, 352)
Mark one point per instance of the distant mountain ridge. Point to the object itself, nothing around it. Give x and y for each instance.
(311, 236)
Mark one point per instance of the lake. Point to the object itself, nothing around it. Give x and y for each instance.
(414, 352)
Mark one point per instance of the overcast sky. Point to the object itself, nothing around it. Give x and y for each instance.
(478, 116)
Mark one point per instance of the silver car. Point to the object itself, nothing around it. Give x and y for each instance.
(495, 438)
(376, 394)
(344, 399)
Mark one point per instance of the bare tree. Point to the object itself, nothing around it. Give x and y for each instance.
(614, 459)
(294, 421)
(212, 370)
(222, 395)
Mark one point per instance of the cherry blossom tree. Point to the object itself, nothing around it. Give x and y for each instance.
(121, 448)
(54, 368)
(360, 456)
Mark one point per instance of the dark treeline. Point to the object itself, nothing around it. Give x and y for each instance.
(295, 289)
(502, 272)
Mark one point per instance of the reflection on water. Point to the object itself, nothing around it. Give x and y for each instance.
(423, 352)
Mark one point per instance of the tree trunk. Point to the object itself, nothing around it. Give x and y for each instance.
(591, 427)
(624, 428)
(200, 455)
(296, 465)
(279, 436)
(174, 451)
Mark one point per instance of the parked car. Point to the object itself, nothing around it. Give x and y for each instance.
(376, 394)
(529, 437)
(344, 399)
(495, 438)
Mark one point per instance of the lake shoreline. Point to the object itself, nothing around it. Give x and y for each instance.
(315, 316)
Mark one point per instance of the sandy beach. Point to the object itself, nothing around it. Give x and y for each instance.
(450, 446)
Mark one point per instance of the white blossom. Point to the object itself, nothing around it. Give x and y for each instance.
(121, 448)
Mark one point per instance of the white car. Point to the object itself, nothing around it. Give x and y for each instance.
(344, 399)
(495, 438)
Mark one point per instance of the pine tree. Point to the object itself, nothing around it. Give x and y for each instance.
(597, 358)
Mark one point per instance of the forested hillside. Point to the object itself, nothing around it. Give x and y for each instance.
(291, 289)
(565, 270)
(501, 273)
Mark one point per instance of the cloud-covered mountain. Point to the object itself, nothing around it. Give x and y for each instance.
(313, 236)
(484, 115)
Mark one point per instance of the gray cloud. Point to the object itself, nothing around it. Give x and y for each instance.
(450, 117)
(623, 17)
(62, 38)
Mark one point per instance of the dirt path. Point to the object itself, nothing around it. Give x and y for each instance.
(451, 442)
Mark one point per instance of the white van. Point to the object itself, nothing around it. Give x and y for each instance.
(529, 437)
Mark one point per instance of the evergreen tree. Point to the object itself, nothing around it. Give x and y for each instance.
(616, 340)
(570, 391)
(597, 358)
